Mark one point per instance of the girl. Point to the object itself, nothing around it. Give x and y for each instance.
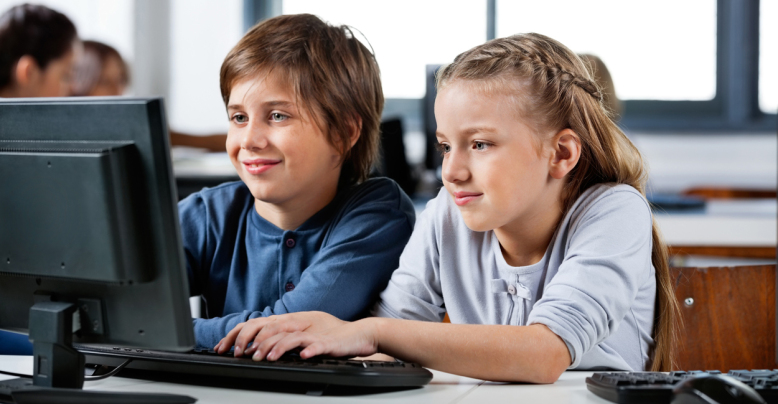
(541, 249)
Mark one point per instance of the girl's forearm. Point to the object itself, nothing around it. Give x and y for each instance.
(490, 352)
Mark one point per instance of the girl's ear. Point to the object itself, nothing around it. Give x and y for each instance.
(567, 151)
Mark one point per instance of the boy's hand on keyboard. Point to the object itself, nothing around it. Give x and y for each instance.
(359, 338)
(257, 331)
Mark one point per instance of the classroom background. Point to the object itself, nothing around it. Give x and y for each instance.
(695, 79)
(697, 93)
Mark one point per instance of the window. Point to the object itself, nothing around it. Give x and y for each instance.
(652, 54)
(202, 32)
(768, 56)
(406, 35)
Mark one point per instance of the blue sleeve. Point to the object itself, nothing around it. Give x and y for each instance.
(194, 224)
(353, 266)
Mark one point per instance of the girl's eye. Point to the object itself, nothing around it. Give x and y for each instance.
(444, 148)
(240, 118)
(480, 146)
(278, 117)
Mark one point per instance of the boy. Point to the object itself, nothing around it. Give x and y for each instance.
(304, 229)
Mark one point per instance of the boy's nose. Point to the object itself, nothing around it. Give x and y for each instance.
(455, 168)
(254, 138)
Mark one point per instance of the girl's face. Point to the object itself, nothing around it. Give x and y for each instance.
(491, 163)
(276, 147)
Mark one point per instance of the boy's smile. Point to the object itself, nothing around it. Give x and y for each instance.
(279, 151)
(259, 166)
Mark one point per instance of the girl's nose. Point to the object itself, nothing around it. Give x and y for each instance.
(455, 167)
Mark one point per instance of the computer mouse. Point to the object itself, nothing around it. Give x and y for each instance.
(714, 388)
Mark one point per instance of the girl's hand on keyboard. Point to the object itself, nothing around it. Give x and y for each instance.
(359, 338)
(258, 330)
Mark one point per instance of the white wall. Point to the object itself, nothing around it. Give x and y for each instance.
(202, 32)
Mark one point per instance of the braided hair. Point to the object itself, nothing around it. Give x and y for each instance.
(554, 90)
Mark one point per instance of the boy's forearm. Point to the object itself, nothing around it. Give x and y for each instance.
(490, 352)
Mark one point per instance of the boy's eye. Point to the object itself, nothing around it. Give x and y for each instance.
(278, 117)
(240, 118)
(444, 148)
(480, 146)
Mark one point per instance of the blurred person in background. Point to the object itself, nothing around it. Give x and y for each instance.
(100, 70)
(602, 76)
(37, 49)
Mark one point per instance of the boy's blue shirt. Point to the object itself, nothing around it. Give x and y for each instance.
(338, 261)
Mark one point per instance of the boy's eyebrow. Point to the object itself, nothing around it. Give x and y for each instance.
(274, 103)
(279, 103)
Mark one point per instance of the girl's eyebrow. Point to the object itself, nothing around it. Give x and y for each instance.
(472, 131)
(479, 129)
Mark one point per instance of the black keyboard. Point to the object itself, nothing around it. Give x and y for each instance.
(289, 368)
(657, 387)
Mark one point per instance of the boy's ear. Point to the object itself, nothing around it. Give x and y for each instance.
(26, 70)
(566, 152)
(356, 130)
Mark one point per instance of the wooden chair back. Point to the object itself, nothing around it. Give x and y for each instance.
(730, 193)
(728, 317)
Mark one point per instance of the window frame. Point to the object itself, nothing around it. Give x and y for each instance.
(735, 107)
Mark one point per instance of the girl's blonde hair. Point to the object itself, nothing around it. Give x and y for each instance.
(558, 92)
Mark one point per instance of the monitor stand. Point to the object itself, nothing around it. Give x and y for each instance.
(58, 374)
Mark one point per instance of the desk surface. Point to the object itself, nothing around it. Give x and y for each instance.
(723, 223)
(444, 388)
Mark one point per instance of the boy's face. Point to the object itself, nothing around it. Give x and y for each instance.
(277, 148)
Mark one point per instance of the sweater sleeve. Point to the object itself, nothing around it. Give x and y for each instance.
(414, 291)
(352, 267)
(194, 223)
(607, 259)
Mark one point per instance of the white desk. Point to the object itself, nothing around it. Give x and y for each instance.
(444, 388)
(723, 223)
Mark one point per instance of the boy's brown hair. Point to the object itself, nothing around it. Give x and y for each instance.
(332, 75)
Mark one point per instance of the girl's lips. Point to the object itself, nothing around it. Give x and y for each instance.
(461, 198)
(259, 166)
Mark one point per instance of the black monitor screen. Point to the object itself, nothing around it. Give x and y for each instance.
(88, 220)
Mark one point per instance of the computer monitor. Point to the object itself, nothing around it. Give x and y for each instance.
(90, 249)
